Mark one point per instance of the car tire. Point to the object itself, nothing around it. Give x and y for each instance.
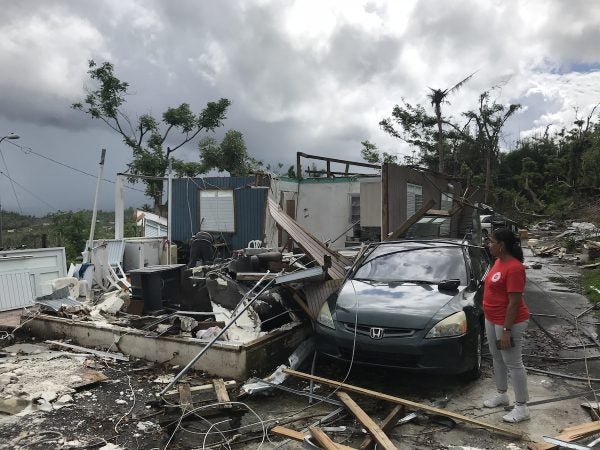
(475, 372)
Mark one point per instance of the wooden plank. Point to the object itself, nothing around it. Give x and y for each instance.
(377, 433)
(288, 433)
(312, 245)
(569, 434)
(409, 403)
(185, 397)
(303, 305)
(322, 439)
(204, 388)
(386, 425)
(299, 436)
(221, 391)
(254, 276)
(398, 232)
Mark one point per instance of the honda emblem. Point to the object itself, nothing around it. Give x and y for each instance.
(376, 333)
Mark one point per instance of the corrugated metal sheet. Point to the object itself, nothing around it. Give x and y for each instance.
(250, 204)
(309, 243)
(16, 290)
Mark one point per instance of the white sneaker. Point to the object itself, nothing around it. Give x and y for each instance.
(518, 414)
(500, 399)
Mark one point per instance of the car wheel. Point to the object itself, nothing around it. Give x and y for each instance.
(475, 372)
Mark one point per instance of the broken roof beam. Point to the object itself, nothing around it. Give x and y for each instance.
(408, 403)
(314, 247)
(380, 437)
(399, 232)
(329, 161)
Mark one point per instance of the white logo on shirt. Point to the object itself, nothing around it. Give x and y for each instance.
(496, 276)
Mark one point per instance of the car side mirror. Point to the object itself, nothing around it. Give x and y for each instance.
(448, 285)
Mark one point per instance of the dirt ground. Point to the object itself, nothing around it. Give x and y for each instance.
(123, 410)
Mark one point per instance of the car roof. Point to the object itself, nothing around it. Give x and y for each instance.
(433, 243)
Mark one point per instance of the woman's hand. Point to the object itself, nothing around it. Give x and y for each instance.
(505, 343)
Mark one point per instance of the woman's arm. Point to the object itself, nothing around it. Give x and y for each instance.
(514, 300)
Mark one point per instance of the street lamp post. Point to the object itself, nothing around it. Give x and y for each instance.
(9, 136)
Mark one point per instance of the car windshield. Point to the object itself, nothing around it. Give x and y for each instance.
(429, 265)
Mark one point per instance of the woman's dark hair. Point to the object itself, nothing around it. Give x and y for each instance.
(511, 242)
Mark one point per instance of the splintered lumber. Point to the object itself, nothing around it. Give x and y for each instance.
(322, 439)
(185, 397)
(386, 425)
(377, 433)
(204, 388)
(409, 403)
(569, 434)
(221, 391)
(399, 232)
(299, 436)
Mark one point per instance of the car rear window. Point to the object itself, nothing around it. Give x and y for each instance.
(427, 264)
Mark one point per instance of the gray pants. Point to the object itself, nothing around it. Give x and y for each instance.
(510, 360)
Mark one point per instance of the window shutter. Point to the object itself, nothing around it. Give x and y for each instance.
(217, 211)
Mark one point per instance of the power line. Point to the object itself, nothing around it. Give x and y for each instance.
(29, 192)
(11, 182)
(28, 150)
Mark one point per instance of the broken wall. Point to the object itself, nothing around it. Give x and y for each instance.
(249, 208)
(395, 192)
(322, 206)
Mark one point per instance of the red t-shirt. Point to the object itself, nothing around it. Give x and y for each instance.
(505, 277)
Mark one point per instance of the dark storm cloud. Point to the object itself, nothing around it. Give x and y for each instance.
(302, 76)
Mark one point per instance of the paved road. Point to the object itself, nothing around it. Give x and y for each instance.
(551, 294)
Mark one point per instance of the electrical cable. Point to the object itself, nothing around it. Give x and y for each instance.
(28, 150)
(29, 192)
(11, 182)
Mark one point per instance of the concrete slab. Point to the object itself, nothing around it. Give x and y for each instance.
(225, 359)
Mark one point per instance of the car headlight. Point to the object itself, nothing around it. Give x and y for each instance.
(454, 325)
(324, 317)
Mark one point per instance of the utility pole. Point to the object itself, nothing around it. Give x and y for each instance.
(9, 136)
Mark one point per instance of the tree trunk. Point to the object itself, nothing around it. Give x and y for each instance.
(158, 206)
(438, 114)
(488, 174)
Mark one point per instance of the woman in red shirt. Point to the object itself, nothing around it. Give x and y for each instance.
(506, 319)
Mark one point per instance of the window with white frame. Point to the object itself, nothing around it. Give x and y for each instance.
(217, 212)
(414, 199)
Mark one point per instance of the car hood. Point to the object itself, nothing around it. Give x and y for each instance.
(395, 305)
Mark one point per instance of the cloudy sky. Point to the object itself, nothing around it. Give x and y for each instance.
(312, 76)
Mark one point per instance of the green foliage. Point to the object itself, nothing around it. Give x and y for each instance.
(230, 155)
(591, 285)
(63, 229)
(371, 154)
(71, 231)
(147, 136)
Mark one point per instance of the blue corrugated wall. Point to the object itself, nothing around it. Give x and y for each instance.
(250, 204)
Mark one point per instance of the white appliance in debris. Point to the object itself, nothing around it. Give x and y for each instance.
(143, 252)
(27, 274)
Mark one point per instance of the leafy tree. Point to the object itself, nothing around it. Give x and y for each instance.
(146, 136)
(490, 118)
(71, 231)
(414, 126)
(371, 154)
(230, 155)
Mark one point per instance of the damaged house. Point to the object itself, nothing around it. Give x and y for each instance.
(244, 235)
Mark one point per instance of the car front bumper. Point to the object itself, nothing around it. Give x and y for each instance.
(450, 355)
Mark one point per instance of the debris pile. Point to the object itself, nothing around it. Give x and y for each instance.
(579, 242)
